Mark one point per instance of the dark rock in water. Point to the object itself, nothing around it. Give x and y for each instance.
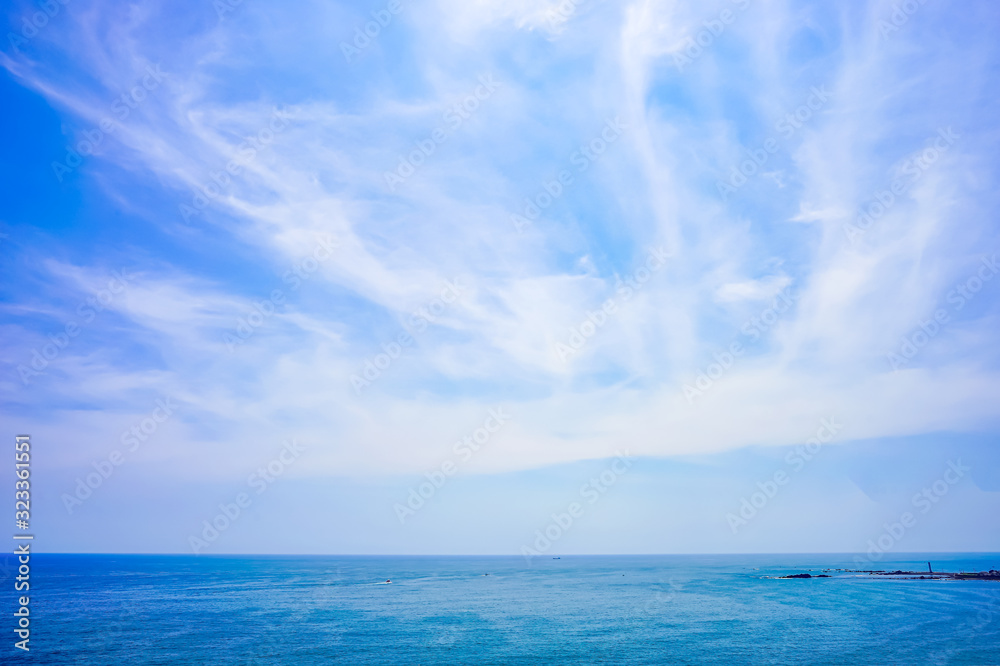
(992, 574)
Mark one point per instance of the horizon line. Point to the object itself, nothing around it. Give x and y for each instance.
(517, 555)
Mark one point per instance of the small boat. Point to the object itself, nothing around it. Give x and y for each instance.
(387, 580)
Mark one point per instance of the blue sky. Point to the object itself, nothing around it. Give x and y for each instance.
(690, 234)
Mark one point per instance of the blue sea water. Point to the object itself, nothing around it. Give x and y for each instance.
(671, 609)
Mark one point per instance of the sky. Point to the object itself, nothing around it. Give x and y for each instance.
(461, 277)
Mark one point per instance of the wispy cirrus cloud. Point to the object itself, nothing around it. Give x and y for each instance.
(345, 124)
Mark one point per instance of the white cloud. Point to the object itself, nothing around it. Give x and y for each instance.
(324, 173)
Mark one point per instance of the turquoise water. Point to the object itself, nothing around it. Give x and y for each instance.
(128, 609)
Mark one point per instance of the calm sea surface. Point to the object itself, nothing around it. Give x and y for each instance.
(676, 609)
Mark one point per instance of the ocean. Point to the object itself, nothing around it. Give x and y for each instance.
(670, 609)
